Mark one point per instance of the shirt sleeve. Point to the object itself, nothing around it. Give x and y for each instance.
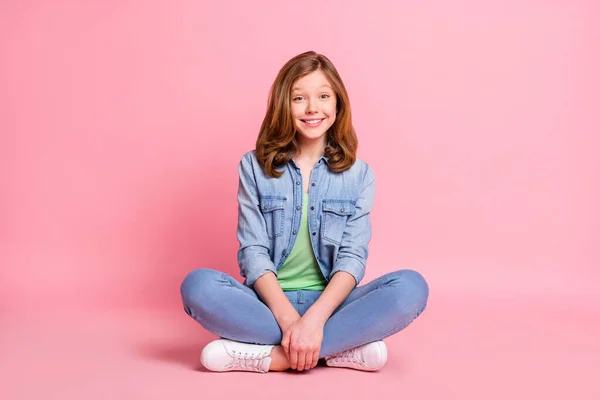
(354, 250)
(253, 254)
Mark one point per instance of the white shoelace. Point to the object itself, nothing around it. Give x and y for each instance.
(247, 362)
(350, 355)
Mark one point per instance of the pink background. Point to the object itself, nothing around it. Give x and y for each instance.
(122, 123)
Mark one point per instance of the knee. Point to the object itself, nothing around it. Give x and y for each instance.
(411, 288)
(198, 283)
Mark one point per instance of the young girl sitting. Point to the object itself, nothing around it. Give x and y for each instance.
(304, 228)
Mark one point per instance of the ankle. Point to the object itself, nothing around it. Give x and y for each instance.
(279, 361)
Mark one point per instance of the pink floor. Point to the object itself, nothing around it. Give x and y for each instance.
(460, 348)
(122, 124)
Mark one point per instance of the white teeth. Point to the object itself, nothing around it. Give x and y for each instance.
(313, 121)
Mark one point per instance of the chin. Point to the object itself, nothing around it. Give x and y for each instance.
(312, 135)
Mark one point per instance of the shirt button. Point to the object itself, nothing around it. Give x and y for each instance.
(297, 182)
(283, 252)
(314, 184)
(314, 233)
(297, 207)
(312, 208)
(265, 207)
(341, 210)
(293, 233)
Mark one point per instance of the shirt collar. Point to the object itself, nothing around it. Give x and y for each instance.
(323, 157)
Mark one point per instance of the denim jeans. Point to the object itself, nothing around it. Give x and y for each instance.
(371, 312)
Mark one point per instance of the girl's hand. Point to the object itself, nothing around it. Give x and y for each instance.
(302, 343)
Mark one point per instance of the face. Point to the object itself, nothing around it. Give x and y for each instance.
(313, 106)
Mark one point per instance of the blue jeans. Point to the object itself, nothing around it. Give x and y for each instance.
(371, 312)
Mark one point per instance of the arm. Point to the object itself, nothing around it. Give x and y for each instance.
(269, 290)
(253, 254)
(354, 247)
(337, 290)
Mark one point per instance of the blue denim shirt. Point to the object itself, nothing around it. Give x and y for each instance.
(269, 211)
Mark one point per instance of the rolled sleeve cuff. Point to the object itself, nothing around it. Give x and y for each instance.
(351, 266)
(259, 267)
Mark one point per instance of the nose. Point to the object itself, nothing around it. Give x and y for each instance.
(311, 107)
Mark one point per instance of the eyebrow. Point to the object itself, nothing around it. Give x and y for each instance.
(297, 88)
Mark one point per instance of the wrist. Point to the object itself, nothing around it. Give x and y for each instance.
(285, 319)
(315, 317)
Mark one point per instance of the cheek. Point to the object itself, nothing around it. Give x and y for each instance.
(331, 109)
(331, 112)
(296, 111)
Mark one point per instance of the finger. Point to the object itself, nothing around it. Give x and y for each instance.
(286, 336)
(316, 358)
(293, 359)
(308, 363)
(285, 345)
(285, 342)
(301, 360)
(288, 348)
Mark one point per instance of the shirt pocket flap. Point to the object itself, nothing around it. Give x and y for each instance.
(339, 207)
(269, 204)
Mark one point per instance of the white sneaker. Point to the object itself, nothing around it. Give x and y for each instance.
(368, 357)
(227, 355)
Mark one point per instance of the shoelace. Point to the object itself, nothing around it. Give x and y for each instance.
(350, 355)
(247, 362)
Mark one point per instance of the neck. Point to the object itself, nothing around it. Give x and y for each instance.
(311, 149)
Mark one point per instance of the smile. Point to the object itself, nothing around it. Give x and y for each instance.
(312, 122)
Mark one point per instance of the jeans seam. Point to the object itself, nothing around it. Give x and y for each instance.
(225, 277)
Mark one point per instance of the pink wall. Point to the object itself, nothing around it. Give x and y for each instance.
(122, 124)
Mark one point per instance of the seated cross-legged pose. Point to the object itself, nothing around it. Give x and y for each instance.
(304, 203)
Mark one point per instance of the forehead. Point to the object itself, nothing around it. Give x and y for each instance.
(314, 81)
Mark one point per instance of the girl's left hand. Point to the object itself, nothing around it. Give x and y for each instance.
(302, 343)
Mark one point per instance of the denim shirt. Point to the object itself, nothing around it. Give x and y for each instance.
(269, 211)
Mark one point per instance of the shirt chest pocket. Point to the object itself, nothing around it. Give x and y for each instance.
(334, 217)
(272, 209)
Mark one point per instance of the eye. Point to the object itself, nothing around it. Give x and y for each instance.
(297, 98)
(326, 96)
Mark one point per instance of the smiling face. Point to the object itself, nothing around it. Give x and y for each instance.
(313, 106)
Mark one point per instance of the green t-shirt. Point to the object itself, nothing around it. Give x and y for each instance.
(300, 270)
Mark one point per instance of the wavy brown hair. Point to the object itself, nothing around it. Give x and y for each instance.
(276, 144)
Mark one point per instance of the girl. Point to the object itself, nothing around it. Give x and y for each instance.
(304, 203)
